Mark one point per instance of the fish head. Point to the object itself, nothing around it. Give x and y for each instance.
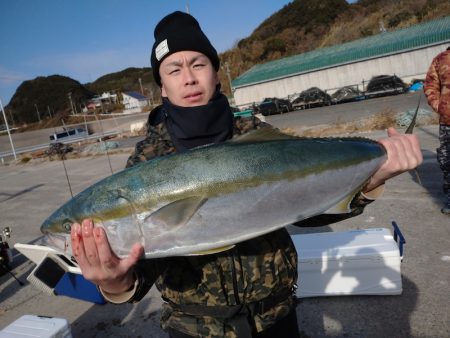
(56, 228)
(60, 221)
(99, 204)
(60, 242)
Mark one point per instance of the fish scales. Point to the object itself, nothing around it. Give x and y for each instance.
(218, 195)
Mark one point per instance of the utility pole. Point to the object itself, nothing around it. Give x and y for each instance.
(142, 89)
(7, 129)
(49, 112)
(37, 110)
(151, 96)
(226, 68)
(12, 118)
(71, 104)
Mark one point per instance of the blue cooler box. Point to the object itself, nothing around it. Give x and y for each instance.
(76, 286)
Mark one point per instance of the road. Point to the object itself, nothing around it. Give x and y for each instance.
(37, 137)
(29, 192)
(28, 149)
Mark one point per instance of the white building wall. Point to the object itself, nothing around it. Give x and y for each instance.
(407, 66)
(130, 102)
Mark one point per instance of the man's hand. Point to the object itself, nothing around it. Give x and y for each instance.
(98, 262)
(403, 154)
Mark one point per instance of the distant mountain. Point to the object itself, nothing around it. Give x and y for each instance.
(125, 80)
(34, 98)
(53, 92)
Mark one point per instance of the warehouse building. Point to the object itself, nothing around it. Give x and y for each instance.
(406, 53)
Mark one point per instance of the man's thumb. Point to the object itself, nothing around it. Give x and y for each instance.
(392, 132)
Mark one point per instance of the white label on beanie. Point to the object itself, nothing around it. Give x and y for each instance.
(161, 50)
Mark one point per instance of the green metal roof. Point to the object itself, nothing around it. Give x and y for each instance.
(386, 43)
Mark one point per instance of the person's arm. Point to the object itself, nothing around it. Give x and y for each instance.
(432, 87)
(157, 143)
(243, 125)
(403, 154)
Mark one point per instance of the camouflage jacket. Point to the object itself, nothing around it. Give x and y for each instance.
(258, 269)
(437, 86)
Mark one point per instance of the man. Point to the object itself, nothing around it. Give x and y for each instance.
(246, 291)
(437, 91)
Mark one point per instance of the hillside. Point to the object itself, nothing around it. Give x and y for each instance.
(304, 25)
(44, 96)
(298, 27)
(53, 92)
(125, 80)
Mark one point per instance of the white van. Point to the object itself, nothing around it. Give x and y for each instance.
(69, 133)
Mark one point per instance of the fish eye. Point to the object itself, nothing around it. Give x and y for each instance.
(67, 226)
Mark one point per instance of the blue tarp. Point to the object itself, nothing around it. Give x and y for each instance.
(416, 86)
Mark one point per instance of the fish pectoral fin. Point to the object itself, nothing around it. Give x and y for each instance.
(177, 213)
(211, 251)
(263, 134)
(343, 206)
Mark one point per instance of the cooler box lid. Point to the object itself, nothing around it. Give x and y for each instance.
(345, 244)
(38, 327)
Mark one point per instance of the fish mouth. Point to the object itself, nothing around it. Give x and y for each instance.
(60, 242)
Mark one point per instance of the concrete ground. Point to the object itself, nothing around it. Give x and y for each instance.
(30, 192)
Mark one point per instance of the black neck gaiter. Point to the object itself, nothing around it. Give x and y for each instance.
(191, 127)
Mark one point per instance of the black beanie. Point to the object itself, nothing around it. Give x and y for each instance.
(179, 32)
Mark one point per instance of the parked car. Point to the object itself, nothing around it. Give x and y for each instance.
(384, 85)
(234, 109)
(312, 97)
(69, 133)
(274, 105)
(347, 94)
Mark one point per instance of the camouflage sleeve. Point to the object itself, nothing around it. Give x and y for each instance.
(432, 87)
(243, 125)
(157, 143)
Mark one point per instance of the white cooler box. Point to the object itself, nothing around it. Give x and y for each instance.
(359, 262)
(37, 327)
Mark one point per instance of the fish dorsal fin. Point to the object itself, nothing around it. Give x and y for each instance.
(211, 251)
(263, 134)
(176, 213)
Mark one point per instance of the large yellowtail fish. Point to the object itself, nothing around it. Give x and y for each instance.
(209, 198)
